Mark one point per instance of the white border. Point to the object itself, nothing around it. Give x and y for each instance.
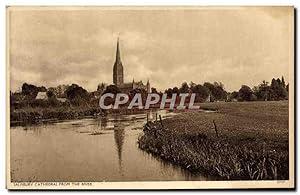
(106, 2)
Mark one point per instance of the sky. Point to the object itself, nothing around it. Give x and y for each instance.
(235, 46)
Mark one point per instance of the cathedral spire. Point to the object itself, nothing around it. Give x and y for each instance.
(118, 57)
(118, 74)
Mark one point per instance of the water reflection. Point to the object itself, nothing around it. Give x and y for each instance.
(102, 149)
(119, 135)
(102, 123)
(36, 130)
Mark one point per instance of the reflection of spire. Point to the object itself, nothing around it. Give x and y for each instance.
(119, 134)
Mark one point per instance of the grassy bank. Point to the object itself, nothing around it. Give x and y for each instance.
(252, 141)
(31, 115)
(37, 114)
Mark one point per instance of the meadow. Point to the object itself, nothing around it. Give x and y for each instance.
(227, 140)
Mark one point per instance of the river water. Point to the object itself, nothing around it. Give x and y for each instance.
(94, 150)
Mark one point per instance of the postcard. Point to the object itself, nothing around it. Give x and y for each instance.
(180, 97)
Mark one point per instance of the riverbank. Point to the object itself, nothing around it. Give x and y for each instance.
(241, 140)
(36, 115)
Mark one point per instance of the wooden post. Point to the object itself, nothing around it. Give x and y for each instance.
(156, 116)
(147, 117)
(160, 120)
(216, 129)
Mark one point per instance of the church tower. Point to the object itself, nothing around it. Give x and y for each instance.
(118, 74)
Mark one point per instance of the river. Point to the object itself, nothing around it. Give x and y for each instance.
(92, 150)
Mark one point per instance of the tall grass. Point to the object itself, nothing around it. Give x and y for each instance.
(223, 157)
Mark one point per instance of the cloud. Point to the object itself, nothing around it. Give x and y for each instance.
(234, 46)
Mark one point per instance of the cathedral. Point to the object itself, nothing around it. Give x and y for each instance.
(118, 76)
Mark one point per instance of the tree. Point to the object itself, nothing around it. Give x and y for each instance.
(217, 90)
(169, 92)
(201, 92)
(42, 89)
(245, 93)
(112, 89)
(30, 91)
(234, 95)
(50, 94)
(153, 90)
(77, 94)
(283, 82)
(262, 91)
(192, 85)
(52, 101)
(175, 90)
(277, 90)
(184, 88)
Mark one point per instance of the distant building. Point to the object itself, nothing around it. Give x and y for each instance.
(118, 76)
(41, 96)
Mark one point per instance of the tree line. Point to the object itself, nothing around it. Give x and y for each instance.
(277, 90)
(214, 91)
(206, 92)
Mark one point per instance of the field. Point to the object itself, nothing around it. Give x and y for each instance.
(240, 140)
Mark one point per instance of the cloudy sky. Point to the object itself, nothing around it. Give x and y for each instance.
(234, 46)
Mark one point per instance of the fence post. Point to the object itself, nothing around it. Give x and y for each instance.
(160, 120)
(216, 129)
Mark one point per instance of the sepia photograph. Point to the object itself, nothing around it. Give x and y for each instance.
(157, 97)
